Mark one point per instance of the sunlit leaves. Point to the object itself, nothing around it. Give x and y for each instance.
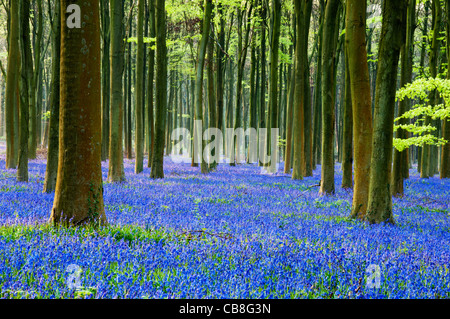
(421, 90)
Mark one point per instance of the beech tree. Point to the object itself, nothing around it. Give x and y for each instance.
(303, 15)
(106, 73)
(161, 90)
(79, 191)
(401, 162)
(427, 170)
(347, 146)
(26, 75)
(12, 81)
(445, 153)
(198, 131)
(242, 48)
(150, 91)
(34, 69)
(116, 172)
(139, 138)
(355, 38)
(273, 89)
(51, 170)
(328, 95)
(392, 33)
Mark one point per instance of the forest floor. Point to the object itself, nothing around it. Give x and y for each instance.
(234, 233)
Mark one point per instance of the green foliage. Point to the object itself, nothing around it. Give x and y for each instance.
(46, 115)
(130, 234)
(421, 89)
(181, 10)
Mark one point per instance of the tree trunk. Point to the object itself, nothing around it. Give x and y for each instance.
(347, 146)
(53, 135)
(198, 131)
(161, 89)
(242, 55)
(306, 161)
(328, 95)
(211, 95)
(105, 17)
(407, 54)
(303, 15)
(361, 102)
(33, 83)
(25, 88)
(151, 75)
(139, 107)
(79, 192)
(423, 52)
(220, 66)
(426, 161)
(273, 98)
(128, 136)
(289, 115)
(262, 101)
(168, 127)
(318, 92)
(116, 172)
(39, 108)
(445, 153)
(380, 189)
(11, 85)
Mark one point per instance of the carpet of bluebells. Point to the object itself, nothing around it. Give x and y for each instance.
(234, 233)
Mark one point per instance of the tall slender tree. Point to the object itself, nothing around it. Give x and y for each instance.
(11, 84)
(79, 192)
(318, 90)
(262, 95)
(41, 76)
(290, 105)
(303, 15)
(128, 77)
(161, 89)
(306, 145)
(116, 172)
(426, 160)
(198, 131)
(392, 33)
(328, 95)
(106, 72)
(211, 94)
(253, 94)
(273, 96)
(445, 153)
(139, 138)
(150, 92)
(26, 69)
(355, 38)
(347, 146)
(220, 67)
(243, 39)
(407, 55)
(34, 71)
(51, 170)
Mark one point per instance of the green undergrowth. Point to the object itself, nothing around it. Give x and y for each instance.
(131, 234)
(127, 233)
